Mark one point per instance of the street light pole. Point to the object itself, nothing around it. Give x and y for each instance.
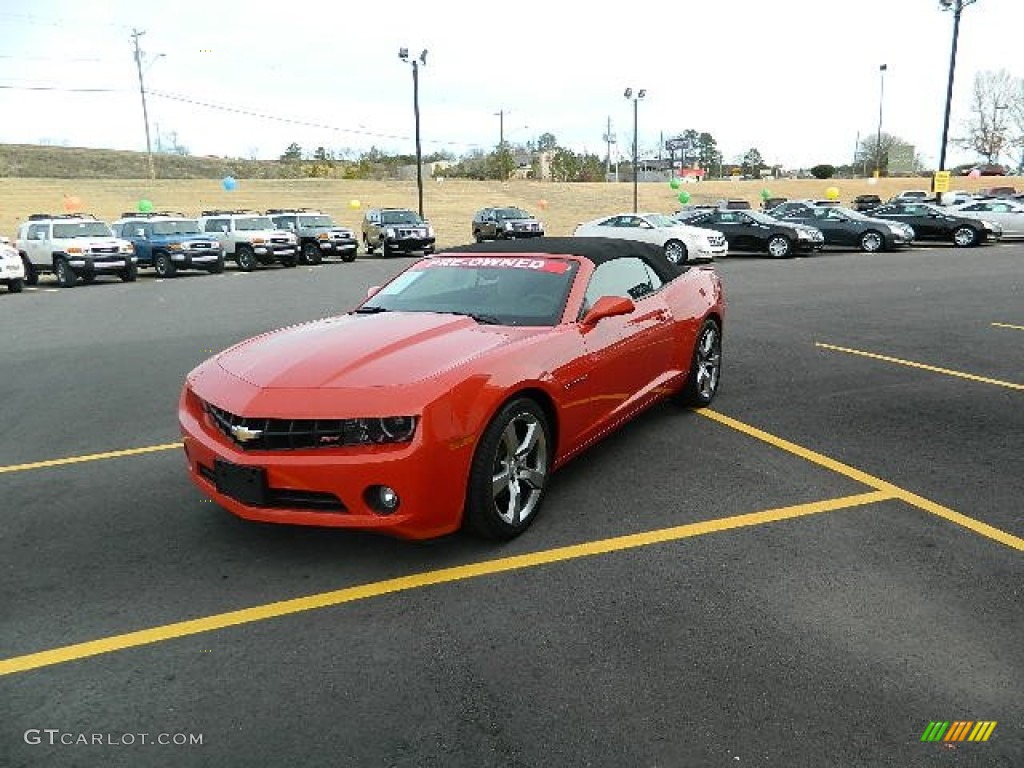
(636, 141)
(403, 54)
(878, 141)
(136, 34)
(957, 6)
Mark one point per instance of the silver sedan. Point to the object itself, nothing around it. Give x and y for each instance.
(1009, 214)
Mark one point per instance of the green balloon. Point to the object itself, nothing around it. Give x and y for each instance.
(684, 197)
(765, 194)
(674, 183)
(145, 206)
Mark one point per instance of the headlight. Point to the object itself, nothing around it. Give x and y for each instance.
(323, 236)
(174, 247)
(430, 231)
(389, 233)
(387, 429)
(127, 248)
(993, 226)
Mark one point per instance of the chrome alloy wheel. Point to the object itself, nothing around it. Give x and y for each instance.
(708, 362)
(520, 469)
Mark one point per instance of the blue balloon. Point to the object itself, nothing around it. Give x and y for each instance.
(230, 183)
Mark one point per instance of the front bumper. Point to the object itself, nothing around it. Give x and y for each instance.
(85, 265)
(197, 259)
(338, 246)
(410, 244)
(328, 487)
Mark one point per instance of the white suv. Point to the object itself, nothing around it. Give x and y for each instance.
(250, 238)
(12, 271)
(72, 247)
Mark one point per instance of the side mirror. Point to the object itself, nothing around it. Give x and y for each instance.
(372, 290)
(608, 306)
(140, 233)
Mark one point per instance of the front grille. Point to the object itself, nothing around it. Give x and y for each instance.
(716, 240)
(280, 241)
(411, 232)
(104, 249)
(253, 434)
(286, 498)
(200, 246)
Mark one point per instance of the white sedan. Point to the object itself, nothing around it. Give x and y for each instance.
(12, 271)
(1009, 214)
(681, 242)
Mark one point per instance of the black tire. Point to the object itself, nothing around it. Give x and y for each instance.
(66, 277)
(164, 266)
(385, 250)
(15, 285)
(705, 367)
(965, 237)
(368, 247)
(779, 247)
(477, 236)
(872, 241)
(31, 276)
(349, 257)
(427, 250)
(675, 252)
(218, 266)
(311, 253)
(517, 444)
(288, 261)
(246, 258)
(88, 278)
(130, 273)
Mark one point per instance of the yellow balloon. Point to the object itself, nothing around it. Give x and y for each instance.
(832, 193)
(354, 204)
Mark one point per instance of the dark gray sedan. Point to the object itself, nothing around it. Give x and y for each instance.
(846, 227)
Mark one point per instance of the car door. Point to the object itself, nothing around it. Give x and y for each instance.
(727, 222)
(627, 356)
(900, 212)
(37, 246)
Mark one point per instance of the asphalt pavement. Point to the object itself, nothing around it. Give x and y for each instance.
(808, 574)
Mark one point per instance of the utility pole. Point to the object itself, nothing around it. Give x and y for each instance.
(501, 127)
(609, 139)
(136, 34)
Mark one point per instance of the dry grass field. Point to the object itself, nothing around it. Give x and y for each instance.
(449, 205)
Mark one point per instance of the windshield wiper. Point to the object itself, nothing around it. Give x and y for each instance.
(370, 310)
(482, 319)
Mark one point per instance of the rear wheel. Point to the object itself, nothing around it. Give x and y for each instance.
(31, 276)
(15, 285)
(964, 237)
(510, 470)
(311, 253)
(164, 266)
(675, 252)
(779, 247)
(871, 242)
(705, 368)
(246, 258)
(65, 275)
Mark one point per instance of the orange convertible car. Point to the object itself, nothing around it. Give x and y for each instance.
(450, 395)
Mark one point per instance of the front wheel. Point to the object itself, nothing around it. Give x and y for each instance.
(65, 275)
(246, 258)
(510, 470)
(675, 252)
(130, 273)
(965, 237)
(218, 266)
(368, 247)
(349, 257)
(705, 368)
(779, 247)
(311, 253)
(871, 242)
(164, 266)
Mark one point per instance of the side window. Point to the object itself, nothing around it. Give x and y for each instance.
(628, 277)
(37, 232)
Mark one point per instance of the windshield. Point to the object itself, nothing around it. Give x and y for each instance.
(511, 213)
(177, 227)
(399, 217)
(315, 221)
(255, 223)
(81, 229)
(504, 291)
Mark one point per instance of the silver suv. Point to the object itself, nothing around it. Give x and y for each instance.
(73, 247)
(318, 235)
(396, 229)
(250, 238)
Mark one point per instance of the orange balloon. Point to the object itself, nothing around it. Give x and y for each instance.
(72, 204)
(542, 204)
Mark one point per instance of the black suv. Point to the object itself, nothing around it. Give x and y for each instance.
(846, 227)
(318, 235)
(931, 222)
(864, 203)
(396, 229)
(505, 224)
(754, 231)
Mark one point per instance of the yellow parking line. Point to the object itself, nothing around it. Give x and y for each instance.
(983, 529)
(88, 457)
(425, 579)
(922, 366)
(1008, 325)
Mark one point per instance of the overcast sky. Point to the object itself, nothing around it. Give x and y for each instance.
(796, 79)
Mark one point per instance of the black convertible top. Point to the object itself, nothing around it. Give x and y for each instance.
(595, 249)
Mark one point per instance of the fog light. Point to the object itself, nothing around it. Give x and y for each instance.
(384, 499)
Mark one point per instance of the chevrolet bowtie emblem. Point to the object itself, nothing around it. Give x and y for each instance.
(243, 434)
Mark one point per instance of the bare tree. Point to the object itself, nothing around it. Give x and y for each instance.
(989, 129)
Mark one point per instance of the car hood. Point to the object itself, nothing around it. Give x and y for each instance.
(356, 351)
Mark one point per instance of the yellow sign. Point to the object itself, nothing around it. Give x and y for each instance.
(941, 181)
